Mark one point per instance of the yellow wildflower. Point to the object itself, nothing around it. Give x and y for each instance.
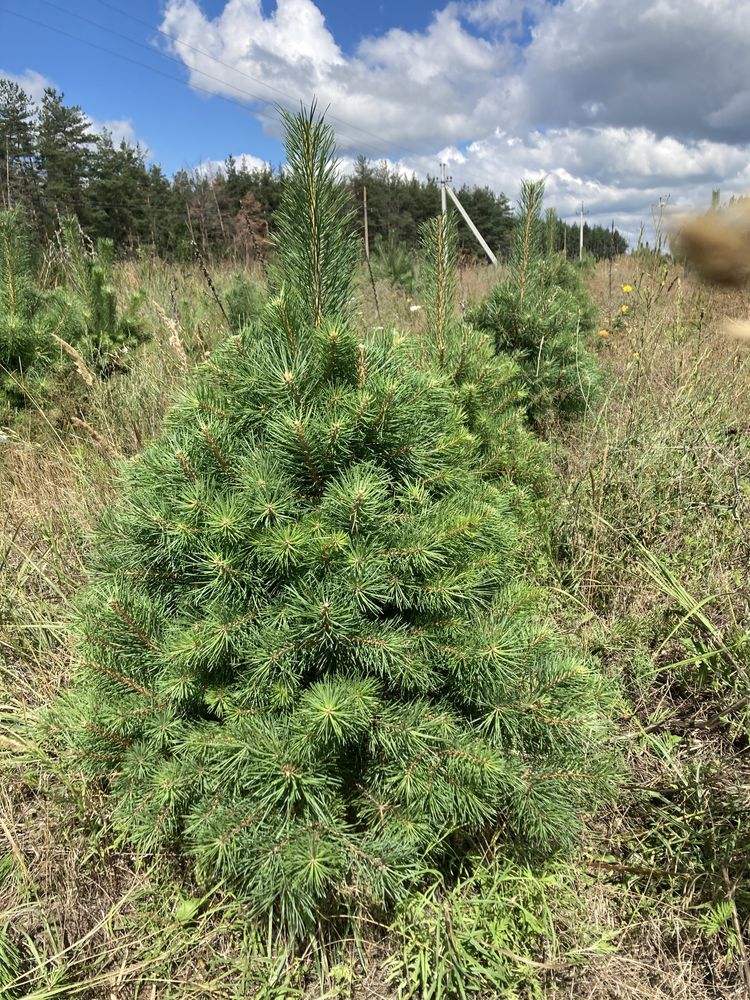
(627, 289)
(624, 309)
(636, 354)
(604, 333)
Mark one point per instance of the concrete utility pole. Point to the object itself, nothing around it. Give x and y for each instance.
(472, 227)
(445, 190)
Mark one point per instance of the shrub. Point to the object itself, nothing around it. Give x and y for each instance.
(102, 331)
(543, 316)
(393, 261)
(306, 657)
(244, 302)
(488, 387)
(79, 319)
(483, 936)
(30, 320)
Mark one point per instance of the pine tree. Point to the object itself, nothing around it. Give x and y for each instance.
(79, 319)
(101, 330)
(17, 176)
(64, 147)
(544, 317)
(393, 261)
(30, 321)
(489, 386)
(118, 195)
(305, 657)
(243, 301)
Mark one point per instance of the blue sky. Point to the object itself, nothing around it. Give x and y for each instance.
(621, 104)
(181, 126)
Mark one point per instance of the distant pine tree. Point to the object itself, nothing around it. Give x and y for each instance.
(17, 177)
(306, 657)
(65, 152)
(44, 330)
(543, 316)
(244, 302)
(101, 329)
(32, 322)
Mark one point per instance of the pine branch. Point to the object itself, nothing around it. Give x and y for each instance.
(316, 243)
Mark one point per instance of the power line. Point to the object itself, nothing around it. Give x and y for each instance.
(121, 55)
(257, 98)
(152, 69)
(148, 48)
(249, 76)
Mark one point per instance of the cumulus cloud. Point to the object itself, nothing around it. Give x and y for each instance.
(245, 161)
(404, 88)
(617, 102)
(32, 82)
(621, 174)
(121, 130)
(672, 66)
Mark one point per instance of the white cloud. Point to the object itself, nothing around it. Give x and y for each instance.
(408, 87)
(121, 130)
(618, 102)
(32, 82)
(618, 173)
(244, 161)
(671, 66)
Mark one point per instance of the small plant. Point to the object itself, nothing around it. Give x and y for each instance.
(543, 316)
(484, 935)
(10, 964)
(489, 389)
(104, 332)
(78, 322)
(393, 261)
(244, 302)
(30, 320)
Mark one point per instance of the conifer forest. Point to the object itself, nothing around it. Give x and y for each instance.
(373, 621)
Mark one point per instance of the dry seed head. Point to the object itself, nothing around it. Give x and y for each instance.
(80, 364)
(718, 245)
(175, 341)
(737, 328)
(95, 436)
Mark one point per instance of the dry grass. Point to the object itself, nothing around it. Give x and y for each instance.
(654, 534)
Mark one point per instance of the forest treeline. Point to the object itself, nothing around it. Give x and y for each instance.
(54, 164)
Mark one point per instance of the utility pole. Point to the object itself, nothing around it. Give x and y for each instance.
(445, 191)
(472, 227)
(367, 232)
(580, 245)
